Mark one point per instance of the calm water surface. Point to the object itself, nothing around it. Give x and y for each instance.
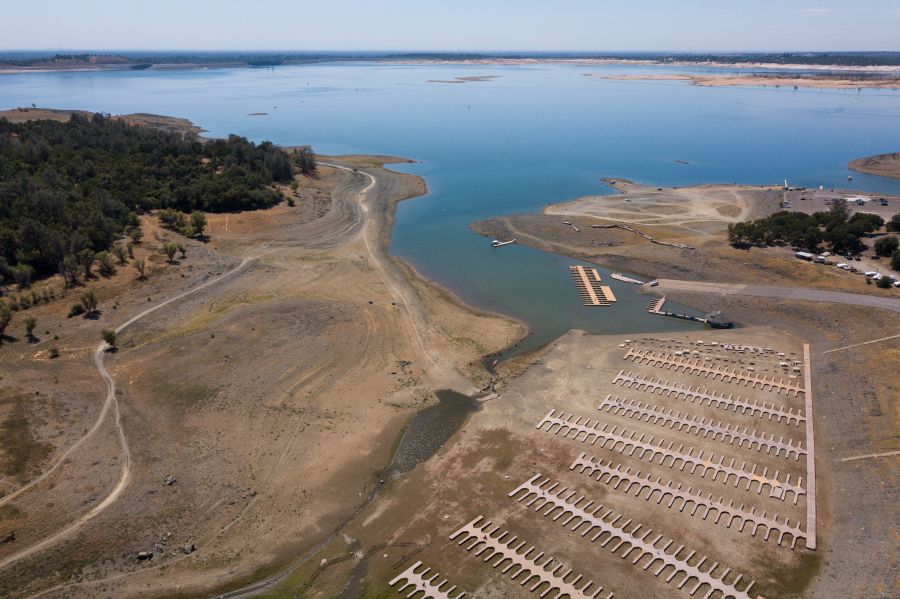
(535, 135)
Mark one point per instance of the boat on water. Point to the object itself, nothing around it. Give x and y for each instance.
(497, 243)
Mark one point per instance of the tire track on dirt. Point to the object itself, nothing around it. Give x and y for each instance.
(110, 404)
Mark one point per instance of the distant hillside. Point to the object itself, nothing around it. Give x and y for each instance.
(140, 60)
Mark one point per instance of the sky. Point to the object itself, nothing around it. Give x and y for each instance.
(466, 25)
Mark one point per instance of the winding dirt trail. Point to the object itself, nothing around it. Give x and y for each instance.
(110, 404)
(379, 259)
(358, 212)
(401, 289)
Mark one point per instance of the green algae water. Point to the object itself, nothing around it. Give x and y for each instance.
(537, 134)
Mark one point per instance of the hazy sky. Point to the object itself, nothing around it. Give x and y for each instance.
(613, 25)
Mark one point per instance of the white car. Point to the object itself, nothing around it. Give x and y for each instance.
(843, 266)
(871, 273)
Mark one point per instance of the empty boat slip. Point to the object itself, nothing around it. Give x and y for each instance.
(592, 293)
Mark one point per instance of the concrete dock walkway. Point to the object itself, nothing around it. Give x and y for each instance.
(789, 293)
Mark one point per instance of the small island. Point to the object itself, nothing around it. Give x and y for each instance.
(883, 165)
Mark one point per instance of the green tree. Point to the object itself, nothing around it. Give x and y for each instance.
(171, 219)
(5, 318)
(306, 160)
(737, 234)
(884, 283)
(140, 266)
(121, 252)
(865, 222)
(840, 210)
(895, 260)
(886, 245)
(86, 260)
(107, 266)
(170, 248)
(109, 336)
(30, 323)
(23, 273)
(136, 234)
(198, 222)
(89, 302)
(894, 223)
(70, 268)
(130, 247)
(182, 250)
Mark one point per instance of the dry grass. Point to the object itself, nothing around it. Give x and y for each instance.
(20, 452)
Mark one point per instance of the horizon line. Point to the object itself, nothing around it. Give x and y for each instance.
(450, 51)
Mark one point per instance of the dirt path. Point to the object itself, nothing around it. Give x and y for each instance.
(399, 288)
(846, 347)
(110, 404)
(375, 242)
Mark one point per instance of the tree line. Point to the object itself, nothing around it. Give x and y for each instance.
(71, 189)
(834, 228)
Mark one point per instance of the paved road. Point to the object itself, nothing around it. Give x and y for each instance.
(789, 293)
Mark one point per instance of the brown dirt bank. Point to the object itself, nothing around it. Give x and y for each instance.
(273, 397)
(883, 165)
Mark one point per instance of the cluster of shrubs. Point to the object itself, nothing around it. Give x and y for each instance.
(179, 222)
(835, 228)
(24, 301)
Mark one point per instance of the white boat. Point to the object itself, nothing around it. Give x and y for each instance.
(497, 243)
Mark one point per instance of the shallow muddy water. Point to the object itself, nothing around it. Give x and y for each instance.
(429, 429)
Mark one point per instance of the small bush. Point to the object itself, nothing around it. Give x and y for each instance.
(886, 245)
(75, 310)
(109, 336)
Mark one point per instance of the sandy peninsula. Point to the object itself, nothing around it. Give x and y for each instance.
(883, 165)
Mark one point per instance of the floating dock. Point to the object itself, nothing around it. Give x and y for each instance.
(620, 277)
(714, 319)
(588, 280)
(656, 306)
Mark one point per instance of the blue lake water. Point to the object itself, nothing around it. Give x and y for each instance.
(537, 134)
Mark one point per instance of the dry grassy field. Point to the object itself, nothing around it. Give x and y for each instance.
(251, 414)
